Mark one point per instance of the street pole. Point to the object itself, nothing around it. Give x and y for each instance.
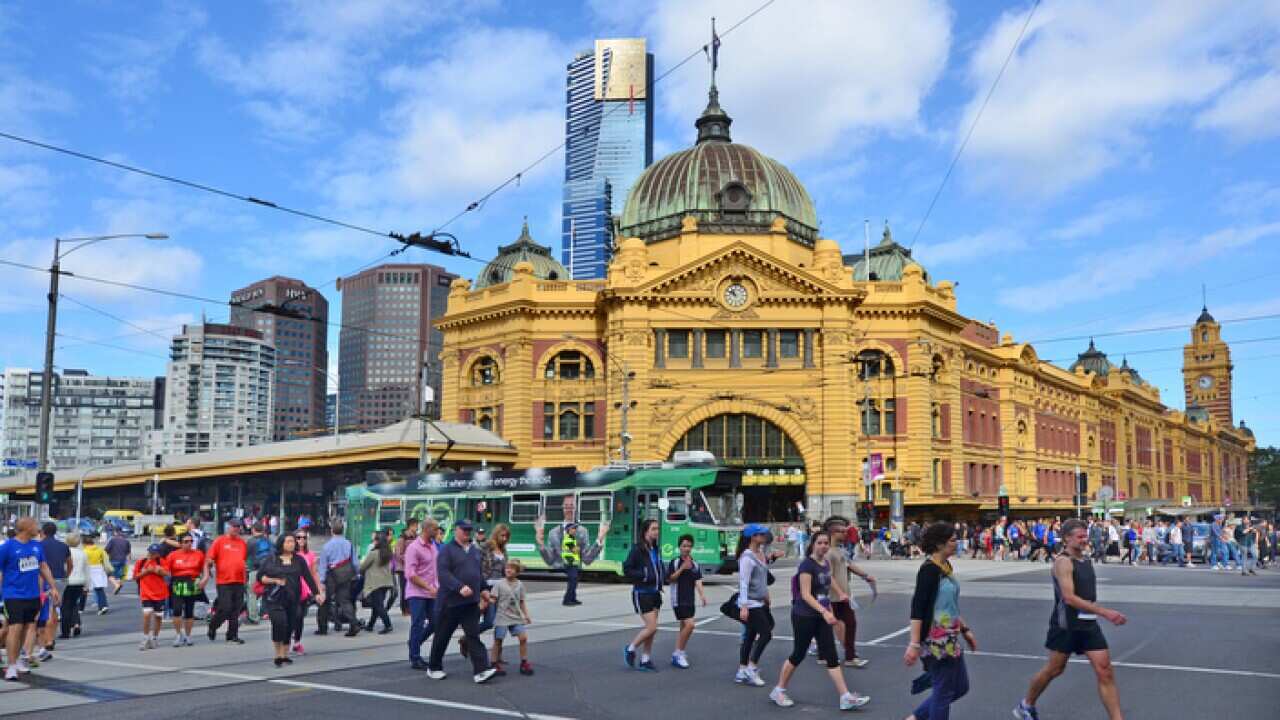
(625, 436)
(428, 397)
(46, 388)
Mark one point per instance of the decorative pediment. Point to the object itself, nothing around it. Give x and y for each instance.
(773, 279)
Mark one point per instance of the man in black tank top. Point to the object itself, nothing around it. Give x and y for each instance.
(1073, 625)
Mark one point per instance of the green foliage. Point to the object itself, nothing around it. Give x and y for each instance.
(1264, 476)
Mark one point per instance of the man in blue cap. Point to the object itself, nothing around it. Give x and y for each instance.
(462, 597)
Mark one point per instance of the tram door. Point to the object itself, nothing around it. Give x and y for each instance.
(646, 507)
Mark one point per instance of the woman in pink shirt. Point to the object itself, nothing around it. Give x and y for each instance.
(304, 552)
(420, 587)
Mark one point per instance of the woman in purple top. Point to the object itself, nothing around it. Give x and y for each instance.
(420, 588)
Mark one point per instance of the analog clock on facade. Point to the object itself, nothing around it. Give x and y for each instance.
(735, 295)
(1205, 382)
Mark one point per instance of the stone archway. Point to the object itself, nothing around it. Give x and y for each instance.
(807, 449)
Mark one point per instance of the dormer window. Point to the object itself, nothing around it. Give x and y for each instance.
(734, 197)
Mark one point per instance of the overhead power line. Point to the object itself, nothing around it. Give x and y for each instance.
(973, 126)
(1152, 329)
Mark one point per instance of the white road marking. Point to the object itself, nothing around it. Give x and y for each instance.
(1141, 666)
(501, 712)
(890, 636)
(711, 619)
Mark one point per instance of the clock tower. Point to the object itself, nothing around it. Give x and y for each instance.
(1206, 369)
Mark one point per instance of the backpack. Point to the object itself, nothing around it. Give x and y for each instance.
(261, 550)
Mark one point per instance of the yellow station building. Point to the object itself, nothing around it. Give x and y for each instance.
(726, 323)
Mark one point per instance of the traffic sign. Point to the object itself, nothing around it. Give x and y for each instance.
(25, 464)
(1105, 493)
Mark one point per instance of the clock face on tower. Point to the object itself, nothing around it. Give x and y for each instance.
(735, 295)
(1205, 382)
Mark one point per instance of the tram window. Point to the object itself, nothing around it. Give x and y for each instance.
(555, 508)
(677, 505)
(391, 512)
(593, 508)
(525, 508)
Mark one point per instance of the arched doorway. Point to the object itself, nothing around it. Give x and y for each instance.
(773, 468)
(1144, 491)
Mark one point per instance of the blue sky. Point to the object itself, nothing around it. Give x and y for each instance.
(1128, 155)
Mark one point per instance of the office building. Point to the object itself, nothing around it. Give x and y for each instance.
(608, 143)
(95, 420)
(219, 389)
(387, 335)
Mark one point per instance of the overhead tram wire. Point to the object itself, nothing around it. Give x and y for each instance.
(478, 203)
(974, 125)
(117, 318)
(122, 348)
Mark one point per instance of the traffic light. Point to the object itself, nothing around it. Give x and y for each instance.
(1002, 503)
(866, 510)
(44, 488)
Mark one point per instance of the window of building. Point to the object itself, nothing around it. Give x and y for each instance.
(485, 371)
(548, 421)
(568, 418)
(570, 365)
(588, 420)
(752, 343)
(890, 416)
(870, 417)
(937, 475)
(715, 343)
(789, 343)
(678, 343)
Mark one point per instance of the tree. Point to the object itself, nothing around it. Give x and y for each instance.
(1264, 476)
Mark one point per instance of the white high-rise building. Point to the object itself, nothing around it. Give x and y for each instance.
(218, 389)
(94, 420)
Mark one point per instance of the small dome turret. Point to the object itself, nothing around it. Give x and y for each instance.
(502, 268)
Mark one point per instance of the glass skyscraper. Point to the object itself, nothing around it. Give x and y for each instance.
(608, 143)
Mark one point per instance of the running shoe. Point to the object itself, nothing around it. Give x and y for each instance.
(297, 649)
(178, 641)
(145, 644)
(11, 674)
(1025, 712)
(436, 674)
(856, 662)
(853, 701)
(500, 668)
(43, 655)
(525, 668)
(781, 698)
(754, 678)
(679, 660)
(743, 677)
(24, 666)
(629, 656)
(104, 610)
(647, 665)
(235, 641)
(483, 676)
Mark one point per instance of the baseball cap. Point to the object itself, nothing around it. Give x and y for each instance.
(155, 549)
(463, 524)
(754, 529)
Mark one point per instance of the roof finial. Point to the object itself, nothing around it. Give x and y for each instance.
(1091, 347)
(525, 237)
(1204, 298)
(714, 123)
(886, 238)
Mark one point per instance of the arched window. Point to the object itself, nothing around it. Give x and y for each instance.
(485, 372)
(486, 422)
(874, 364)
(570, 365)
(568, 424)
(739, 439)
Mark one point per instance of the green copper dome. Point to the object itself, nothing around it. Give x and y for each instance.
(887, 260)
(524, 249)
(728, 187)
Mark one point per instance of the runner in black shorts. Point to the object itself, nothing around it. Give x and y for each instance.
(1073, 626)
(685, 577)
(644, 568)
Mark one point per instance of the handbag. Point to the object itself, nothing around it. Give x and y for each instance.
(730, 608)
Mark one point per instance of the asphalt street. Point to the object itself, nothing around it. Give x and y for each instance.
(1218, 656)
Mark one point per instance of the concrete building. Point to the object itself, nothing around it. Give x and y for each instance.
(302, 349)
(219, 389)
(727, 323)
(387, 334)
(95, 420)
(608, 143)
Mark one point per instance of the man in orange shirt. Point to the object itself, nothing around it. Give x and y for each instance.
(227, 555)
(152, 574)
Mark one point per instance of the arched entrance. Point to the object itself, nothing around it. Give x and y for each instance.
(773, 466)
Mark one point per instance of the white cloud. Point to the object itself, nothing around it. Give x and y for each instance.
(1089, 80)
(131, 65)
(1249, 198)
(1101, 274)
(319, 58)
(968, 248)
(1101, 216)
(1247, 111)
(800, 81)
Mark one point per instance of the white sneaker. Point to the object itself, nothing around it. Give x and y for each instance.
(680, 661)
(43, 655)
(24, 668)
(742, 677)
(853, 701)
(856, 662)
(436, 674)
(482, 677)
(754, 677)
(145, 644)
(11, 674)
(179, 641)
(781, 698)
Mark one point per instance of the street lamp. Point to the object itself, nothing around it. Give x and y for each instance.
(55, 270)
(623, 435)
(337, 410)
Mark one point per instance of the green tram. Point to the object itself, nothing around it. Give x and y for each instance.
(704, 501)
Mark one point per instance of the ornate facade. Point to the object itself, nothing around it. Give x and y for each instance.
(726, 323)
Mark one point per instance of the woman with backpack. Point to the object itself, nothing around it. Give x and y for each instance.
(937, 628)
(812, 619)
(376, 569)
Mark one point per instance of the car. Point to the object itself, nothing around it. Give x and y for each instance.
(68, 526)
(112, 524)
